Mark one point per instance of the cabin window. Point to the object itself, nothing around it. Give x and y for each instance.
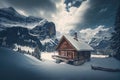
(63, 53)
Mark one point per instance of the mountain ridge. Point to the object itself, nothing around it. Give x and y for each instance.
(15, 30)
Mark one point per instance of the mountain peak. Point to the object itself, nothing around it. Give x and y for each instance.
(11, 8)
(8, 9)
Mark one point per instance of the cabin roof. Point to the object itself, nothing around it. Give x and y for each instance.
(79, 45)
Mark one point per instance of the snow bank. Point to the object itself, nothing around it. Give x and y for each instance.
(47, 56)
(32, 57)
(99, 56)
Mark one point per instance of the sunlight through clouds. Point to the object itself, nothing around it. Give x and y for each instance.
(22, 12)
(66, 21)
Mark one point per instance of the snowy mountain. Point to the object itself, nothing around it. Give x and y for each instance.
(10, 17)
(44, 29)
(49, 44)
(18, 31)
(98, 38)
(18, 35)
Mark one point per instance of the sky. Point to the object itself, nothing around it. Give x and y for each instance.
(69, 14)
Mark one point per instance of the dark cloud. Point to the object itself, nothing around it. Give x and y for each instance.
(73, 3)
(101, 12)
(32, 7)
(42, 4)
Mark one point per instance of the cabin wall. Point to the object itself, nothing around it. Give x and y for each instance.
(70, 54)
(84, 55)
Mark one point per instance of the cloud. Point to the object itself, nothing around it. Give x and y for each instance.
(66, 21)
(101, 12)
(32, 4)
(80, 14)
(73, 3)
(22, 12)
(42, 8)
(89, 14)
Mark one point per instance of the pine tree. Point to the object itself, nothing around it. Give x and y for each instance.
(37, 53)
(115, 40)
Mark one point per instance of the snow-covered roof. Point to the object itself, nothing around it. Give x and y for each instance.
(79, 45)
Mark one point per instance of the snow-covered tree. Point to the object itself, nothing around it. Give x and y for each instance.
(4, 41)
(19, 49)
(37, 53)
(115, 40)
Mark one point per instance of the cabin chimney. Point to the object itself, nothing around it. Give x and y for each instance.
(75, 36)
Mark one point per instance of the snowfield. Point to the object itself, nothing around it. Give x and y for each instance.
(16, 66)
(47, 56)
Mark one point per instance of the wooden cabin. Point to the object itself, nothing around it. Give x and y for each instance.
(73, 49)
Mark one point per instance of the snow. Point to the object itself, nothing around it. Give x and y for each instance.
(32, 57)
(33, 34)
(22, 12)
(42, 22)
(24, 25)
(26, 67)
(47, 56)
(23, 48)
(45, 41)
(99, 56)
(79, 45)
(48, 40)
(88, 34)
(53, 42)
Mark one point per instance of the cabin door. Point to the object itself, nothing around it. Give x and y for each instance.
(70, 54)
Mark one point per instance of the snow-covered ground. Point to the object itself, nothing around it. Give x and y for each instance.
(23, 48)
(25, 67)
(99, 56)
(47, 56)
